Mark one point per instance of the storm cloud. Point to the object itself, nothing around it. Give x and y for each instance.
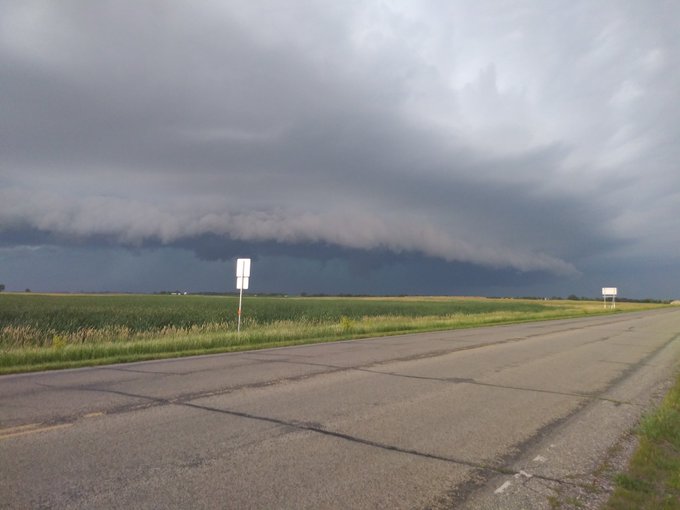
(500, 136)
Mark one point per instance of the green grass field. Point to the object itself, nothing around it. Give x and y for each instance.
(43, 331)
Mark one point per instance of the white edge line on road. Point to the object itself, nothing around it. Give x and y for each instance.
(502, 488)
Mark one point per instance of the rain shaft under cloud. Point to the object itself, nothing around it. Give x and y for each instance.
(505, 136)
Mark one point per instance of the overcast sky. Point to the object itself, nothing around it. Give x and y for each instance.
(430, 147)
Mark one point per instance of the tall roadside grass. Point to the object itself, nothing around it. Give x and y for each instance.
(652, 481)
(46, 332)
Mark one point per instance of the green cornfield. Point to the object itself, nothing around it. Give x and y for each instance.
(42, 331)
(80, 317)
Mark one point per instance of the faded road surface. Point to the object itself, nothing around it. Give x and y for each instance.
(500, 417)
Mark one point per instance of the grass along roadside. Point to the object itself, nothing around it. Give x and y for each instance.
(51, 332)
(177, 342)
(652, 480)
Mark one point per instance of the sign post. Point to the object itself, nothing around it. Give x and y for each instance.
(242, 280)
(609, 292)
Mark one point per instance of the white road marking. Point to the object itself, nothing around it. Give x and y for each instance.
(502, 488)
(523, 474)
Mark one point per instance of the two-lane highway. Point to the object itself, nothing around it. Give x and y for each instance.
(469, 418)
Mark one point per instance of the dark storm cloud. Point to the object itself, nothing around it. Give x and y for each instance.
(515, 137)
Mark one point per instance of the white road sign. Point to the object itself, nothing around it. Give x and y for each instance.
(242, 280)
(242, 274)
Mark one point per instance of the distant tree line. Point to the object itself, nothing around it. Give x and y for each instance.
(321, 294)
(570, 297)
(204, 293)
(2, 287)
(574, 297)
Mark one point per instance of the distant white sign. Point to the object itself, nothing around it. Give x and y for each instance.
(242, 280)
(242, 274)
(609, 292)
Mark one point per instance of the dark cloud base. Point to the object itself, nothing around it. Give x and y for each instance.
(311, 267)
(418, 273)
(32, 259)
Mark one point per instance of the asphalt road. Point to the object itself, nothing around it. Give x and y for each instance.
(500, 417)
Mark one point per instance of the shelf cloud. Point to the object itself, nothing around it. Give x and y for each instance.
(499, 135)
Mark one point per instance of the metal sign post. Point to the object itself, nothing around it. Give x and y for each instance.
(242, 280)
(609, 292)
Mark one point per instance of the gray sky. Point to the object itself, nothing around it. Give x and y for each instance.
(491, 147)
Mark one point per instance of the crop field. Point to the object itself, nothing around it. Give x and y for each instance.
(43, 331)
